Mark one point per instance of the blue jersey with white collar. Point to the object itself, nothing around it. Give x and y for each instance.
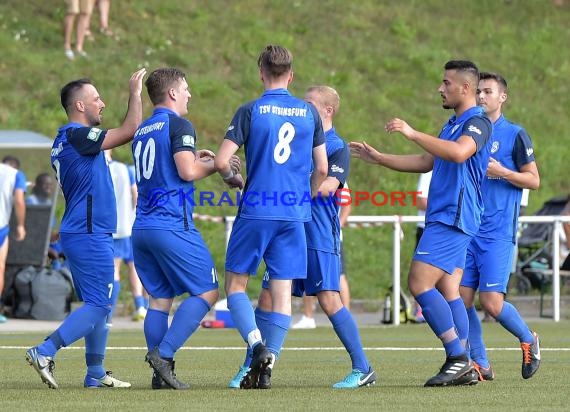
(323, 231)
(165, 200)
(455, 197)
(279, 132)
(82, 171)
(512, 147)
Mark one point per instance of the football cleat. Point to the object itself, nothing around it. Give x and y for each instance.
(236, 380)
(357, 379)
(139, 314)
(264, 379)
(165, 369)
(43, 365)
(260, 361)
(483, 374)
(107, 381)
(531, 357)
(455, 371)
(157, 382)
(305, 323)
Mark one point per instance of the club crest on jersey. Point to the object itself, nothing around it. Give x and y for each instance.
(94, 134)
(495, 147)
(188, 140)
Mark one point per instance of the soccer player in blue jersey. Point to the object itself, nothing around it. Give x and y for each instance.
(512, 167)
(171, 257)
(459, 159)
(281, 134)
(89, 220)
(323, 244)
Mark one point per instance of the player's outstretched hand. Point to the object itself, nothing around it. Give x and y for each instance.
(135, 84)
(364, 151)
(399, 125)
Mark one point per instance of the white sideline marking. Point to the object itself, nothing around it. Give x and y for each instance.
(198, 348)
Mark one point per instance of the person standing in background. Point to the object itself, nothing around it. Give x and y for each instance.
(126, 200)
(80, 10)
(12, 190)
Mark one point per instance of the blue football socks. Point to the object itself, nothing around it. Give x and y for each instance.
(347, 331)
(155, 327)
(184, 323)
(512, 321)
(460, 319)
(477, 350)
(242, 314)
(438, 316)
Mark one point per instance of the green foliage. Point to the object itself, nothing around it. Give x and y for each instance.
(384, 57)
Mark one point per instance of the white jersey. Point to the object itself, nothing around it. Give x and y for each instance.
(7, 185)
(423, 188)
(122, 183)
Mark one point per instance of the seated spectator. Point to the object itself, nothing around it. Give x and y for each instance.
(42, 192)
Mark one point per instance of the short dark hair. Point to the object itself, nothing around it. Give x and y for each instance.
(465, 66)
(494, 76)
(275, 60)
(160, 80)
(12, 161)
(69, 90)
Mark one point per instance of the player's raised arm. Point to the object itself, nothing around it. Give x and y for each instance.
(124, 133)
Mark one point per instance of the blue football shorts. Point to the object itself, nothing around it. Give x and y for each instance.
(90, 259)
(281, 244)
(323, 273)
(124, 249)
(170, 263)
(488, 265)
(442, 246)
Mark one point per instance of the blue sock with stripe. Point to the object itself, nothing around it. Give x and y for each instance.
(438, 316)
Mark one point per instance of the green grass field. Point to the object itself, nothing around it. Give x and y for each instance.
(404, 358)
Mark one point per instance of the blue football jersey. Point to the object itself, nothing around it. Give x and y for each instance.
(165, 200)
(82, 171)
(455, 197)
(279, 132)
(512, 147)
(323, 231)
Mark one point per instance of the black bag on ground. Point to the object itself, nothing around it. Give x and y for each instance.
(43, 295)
